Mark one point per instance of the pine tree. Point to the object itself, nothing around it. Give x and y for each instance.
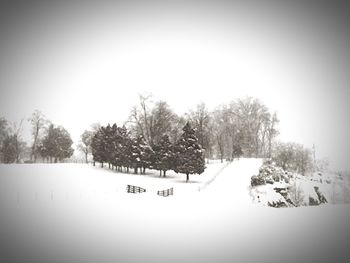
(142, 154)
(108, 145)
(97, 147)
(126, 148)
(136, 153)
(189, 154)
(57, 144)
(164, 155)
(8, 149)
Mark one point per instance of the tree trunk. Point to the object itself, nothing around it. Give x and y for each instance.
(164, 173)
(160, 172)
(94, 163)
(86, 157)
(187, 177)
(135, 170)
(144, 170)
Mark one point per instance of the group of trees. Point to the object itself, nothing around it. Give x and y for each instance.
(11, 144)
(149, 137)
(120, 149)
(244, 127)
(293, 157)
(50, 143)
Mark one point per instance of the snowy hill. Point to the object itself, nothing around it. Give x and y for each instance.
(80, 213)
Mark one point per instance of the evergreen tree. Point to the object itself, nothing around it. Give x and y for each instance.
(147, 156)
(8, 149)
(164, 155)
(57, 144)
(108, 144)
(141, 154)
(97, 147)
(189, 154)
(136, 153)
(126, 148)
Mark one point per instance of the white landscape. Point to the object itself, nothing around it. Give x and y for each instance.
(259, 88)
(81, 213)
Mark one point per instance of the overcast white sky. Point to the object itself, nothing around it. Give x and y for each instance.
(84, 63)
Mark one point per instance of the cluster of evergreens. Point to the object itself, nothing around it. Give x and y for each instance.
(120, 150)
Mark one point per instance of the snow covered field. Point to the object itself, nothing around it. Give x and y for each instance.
(80, 213)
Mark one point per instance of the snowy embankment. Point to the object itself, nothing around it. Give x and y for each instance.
(275, 187)
(77, 213)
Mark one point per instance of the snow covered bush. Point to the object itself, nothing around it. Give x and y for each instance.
(257, 180)
(269, 174)
(274, 186)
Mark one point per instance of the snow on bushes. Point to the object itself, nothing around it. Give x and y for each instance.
(277, 188)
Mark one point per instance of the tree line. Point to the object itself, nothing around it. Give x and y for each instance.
(121, 151)
(244, 127)
(51, 143)
(241, 128)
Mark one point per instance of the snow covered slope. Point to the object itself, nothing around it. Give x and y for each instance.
(76, 213)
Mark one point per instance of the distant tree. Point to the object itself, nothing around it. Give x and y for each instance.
(38, 122)
(85, 144)
(125, 147)
(12, 146)
(164, 155)
(57, 144)
(161, 121)
(136, 152)
(8, 149)
(176, 128)
(292, 157)
(97, 147)
(19, 143)
(108, 144)
(201, 121)
(272, 132)
(147, 156)
(151, 120)
(189, 154)
(219, 133)
(4, 134)
(236, 151)
(141, 154)
(303, 160)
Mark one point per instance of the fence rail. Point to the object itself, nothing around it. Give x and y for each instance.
(166, 192)
(135, 189)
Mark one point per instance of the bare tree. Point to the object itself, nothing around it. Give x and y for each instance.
(18, 144)
(200, 119)
(140, 117)
(85, 144)
(272, 132)
(3, 135)
(151, 120)
(38, 123)
(219, 132)
(160, 123)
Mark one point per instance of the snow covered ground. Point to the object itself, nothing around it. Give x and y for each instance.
(80, 213)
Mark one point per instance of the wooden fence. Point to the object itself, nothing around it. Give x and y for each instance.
(166, 192)
(135, 189)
